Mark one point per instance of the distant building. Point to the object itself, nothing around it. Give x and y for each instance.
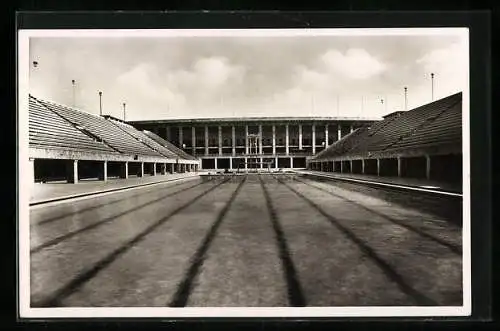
(239, 143)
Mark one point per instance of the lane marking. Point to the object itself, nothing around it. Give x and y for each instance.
(184, 289)
(387, 269)
(55, 299)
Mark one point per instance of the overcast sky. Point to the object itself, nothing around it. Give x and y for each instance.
(199, 77)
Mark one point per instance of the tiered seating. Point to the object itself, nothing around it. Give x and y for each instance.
(445, 129)
(48, 130)
(107, 131)
(140, 136)
(407, 122)
(346, 144)
(169, 145)
(437, 123)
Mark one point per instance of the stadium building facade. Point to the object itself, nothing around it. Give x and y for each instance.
(253, 143)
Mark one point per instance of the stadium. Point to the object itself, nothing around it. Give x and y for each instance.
(246, 211)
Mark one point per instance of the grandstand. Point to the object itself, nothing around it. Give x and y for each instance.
(425, 142)
(69, 144)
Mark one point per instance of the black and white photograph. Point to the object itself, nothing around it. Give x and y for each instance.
(244, 172)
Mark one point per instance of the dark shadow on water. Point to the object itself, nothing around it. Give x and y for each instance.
(184, 290)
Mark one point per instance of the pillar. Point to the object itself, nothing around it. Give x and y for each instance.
(215, 163)
(167, 128)
(363, 166)
(274, 139)
(321, 166)
(350, 163)
(378, 167)
(181, 139)
(276, 163)
(260, 140)
(245, 159)
(142, 169)
(193, 139)
(314, 139)
(104, 176)
(341, 166)
(231, 163)
(399, 167)
(246, 141)
(220, 140)
(428, 167)
(172, 168)
(233, 140)
(206, 140)
(261, 165)
(72, 171)
(339, 132)
(291, 162)
(287, 147)
(164, 169)
(352, 128)
(154, 168)
(300, 136)
(326, 135)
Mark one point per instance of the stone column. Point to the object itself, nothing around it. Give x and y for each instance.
(231, 163)
(378, 167)
(260, 139)
(215, 163)
(300, 136)
(399, 167)
(193, 139)
(314, 139)
(291, 162)
(287, 137)
(339, 132)
(341, 166)
(181, 139)
(72, 171)
(105, 171)
(326, 135)
(206, 140)
(233, 140)
(142, 169)
(246, 140)
(220, 140)
(428, 167)
(274, 139)
(168, 134)
(154, 168)
(363, 166)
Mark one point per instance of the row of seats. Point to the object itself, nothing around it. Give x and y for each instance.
(169, 145)
(437, 123)
(140, 136)
(100, 127)
(54, 126)
(50, 131)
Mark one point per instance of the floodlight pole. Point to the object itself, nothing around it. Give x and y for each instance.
(406, 98)
(73, 86)
(432, 86)
(100, 103)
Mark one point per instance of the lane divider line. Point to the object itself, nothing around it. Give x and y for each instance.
(55, 299)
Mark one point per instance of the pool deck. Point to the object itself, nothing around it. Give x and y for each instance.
(48, 192)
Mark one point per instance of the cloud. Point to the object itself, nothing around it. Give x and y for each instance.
(355, 63)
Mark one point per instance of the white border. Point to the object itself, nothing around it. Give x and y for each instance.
(25, 184)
